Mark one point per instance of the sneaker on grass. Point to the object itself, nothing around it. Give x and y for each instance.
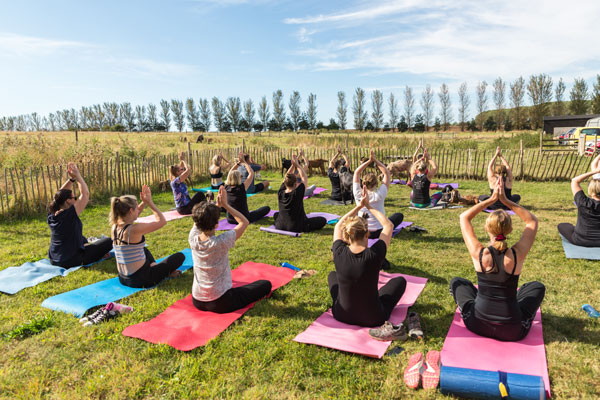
(413, 321)
(389, 331)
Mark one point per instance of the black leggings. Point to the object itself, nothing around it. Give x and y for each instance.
(257, 188)
(567, 231)
(253, 216)
(235, 298)
(148, 276)
(311, 224)
(389, 295)
(199, 197)
(91, 253)
(515, 198)
(529, 297)
(396, 219)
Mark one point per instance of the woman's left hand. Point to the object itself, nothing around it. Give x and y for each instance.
(364, 201)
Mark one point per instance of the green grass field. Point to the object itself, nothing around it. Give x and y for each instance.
(255, 357)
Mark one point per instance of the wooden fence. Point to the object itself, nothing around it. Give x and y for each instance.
(30, 190)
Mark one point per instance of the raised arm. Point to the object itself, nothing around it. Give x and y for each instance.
(224, 162)
(576, 182)
(524, 244)
(386, 172)
(388, 227)
(359, 170)
(332, 161)
(490, 169)
(301, 171)
(84, 193)
(595, 164)
(159, 218)
(337, 230)
(432, 169)
(509, 173)
(466, 225)
(186, 168)
(242, 222)
(250, 177)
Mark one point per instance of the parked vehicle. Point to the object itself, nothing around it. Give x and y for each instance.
(562, 139)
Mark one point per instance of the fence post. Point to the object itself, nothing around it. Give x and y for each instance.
(118, 167)
(541, 143)
(521, 159)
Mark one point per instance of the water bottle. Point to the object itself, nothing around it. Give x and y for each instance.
(290, 266)
(591, 311)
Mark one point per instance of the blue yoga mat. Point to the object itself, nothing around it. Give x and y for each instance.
(573, 251)
(15, 279)
(80, 300)
(209, 189)
(478, 384)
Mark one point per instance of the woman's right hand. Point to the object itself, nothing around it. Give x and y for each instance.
(364, 201)
(73, 171)
(146, 195)
(498, 152)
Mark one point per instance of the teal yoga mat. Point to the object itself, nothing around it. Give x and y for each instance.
(78, 301)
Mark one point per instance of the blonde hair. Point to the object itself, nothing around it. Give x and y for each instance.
(120, 206)
(370, 181)
(216, 160)
(354, 229)
(594, 188)
(421, 166)
(499, 223)
(500, 170)
(234, 178)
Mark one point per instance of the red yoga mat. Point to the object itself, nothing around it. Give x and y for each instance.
(184, 327)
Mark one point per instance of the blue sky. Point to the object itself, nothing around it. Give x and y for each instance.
(67, 54)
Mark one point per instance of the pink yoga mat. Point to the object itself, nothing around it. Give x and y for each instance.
(509, 212)
(397, 230)
(315, 192)
(464, 349)
(184, 327)
(224, 225)
(328, 332)
(169, 215)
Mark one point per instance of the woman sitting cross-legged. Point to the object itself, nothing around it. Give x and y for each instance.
(216, 171)
(422, 174)
(376, 195)
(496, 309)
(68, 247)
(236, 193)
(338, 164)
(587, 231)
(353, 284)
(291, 216)
(212, 288)
(503, 171)
(183, 202)
(136, 265)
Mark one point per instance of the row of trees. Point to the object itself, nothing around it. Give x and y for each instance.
(235, 115)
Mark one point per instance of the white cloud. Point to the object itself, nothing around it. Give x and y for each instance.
(23, 46)
(467, 40)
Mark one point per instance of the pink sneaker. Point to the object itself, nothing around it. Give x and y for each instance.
(431, 375)
(412, 373)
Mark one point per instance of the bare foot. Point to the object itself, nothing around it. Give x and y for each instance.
(175, 274)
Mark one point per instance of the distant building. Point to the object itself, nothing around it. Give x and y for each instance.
(562, 123)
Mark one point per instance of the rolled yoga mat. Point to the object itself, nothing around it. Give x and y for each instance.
(479, 384)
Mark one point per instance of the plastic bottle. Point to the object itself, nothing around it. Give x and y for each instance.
(591, 311)
(290, 266)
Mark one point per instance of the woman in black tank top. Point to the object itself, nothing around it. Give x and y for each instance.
(215, 170)
(503, 171)
(496, 309)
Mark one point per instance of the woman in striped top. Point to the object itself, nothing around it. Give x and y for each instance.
(136, 265)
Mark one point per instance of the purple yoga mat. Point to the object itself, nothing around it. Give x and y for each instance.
(327, 216)
(397, 230)
(509, 212)
(315, 192)
(225, 226)
(272, 229)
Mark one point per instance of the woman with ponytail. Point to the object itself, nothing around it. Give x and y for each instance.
(183, 202)
(496, 309)
(68, 247)
(353, 284)
(136, 265)
(422, 174)
(504, 172)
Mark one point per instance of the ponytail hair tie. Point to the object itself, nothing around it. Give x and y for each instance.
(500, 237)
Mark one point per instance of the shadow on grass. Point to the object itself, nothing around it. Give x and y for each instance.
(409, 270)
(559, 328)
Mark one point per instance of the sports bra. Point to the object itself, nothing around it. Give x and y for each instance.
(130, 257)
